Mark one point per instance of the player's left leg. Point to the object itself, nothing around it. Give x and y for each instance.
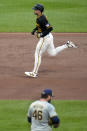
(54, 51)
(51, 49)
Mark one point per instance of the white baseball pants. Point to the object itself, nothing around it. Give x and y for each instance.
(46, 44)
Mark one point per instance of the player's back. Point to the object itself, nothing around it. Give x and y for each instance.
(39, 112)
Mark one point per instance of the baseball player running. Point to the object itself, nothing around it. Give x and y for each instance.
(42, 114)
(43, 30)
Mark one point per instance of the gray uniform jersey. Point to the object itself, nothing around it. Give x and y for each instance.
(40, 112)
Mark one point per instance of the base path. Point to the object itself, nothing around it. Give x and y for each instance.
(65, 74)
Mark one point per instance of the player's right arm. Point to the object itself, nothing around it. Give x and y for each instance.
(34, 30)
(54, 119)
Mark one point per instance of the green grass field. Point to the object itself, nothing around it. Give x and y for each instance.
(64, 15)
(13, 115)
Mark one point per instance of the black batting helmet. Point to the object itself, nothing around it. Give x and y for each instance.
(38, 7)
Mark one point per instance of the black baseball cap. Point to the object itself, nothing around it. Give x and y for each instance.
(38, 7)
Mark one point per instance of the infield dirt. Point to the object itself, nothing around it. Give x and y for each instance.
(65, 74)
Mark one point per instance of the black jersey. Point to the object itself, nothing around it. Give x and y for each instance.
(43, 26)
(42, 23)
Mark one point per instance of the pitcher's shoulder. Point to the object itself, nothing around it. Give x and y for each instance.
(35, 102)
(50, 105)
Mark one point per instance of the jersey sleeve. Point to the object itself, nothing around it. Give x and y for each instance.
(29, 112)
(52, 111)
(45, 22)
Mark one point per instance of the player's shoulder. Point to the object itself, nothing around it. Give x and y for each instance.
(33, 103)
(50, 106)
(43, 17)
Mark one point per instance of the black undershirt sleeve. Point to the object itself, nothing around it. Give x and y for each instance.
(29, 119)
(36, 28)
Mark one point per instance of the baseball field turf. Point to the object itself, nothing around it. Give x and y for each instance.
(64, 15)
(73, 115)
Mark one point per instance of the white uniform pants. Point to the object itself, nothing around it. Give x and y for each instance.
(46, 44)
